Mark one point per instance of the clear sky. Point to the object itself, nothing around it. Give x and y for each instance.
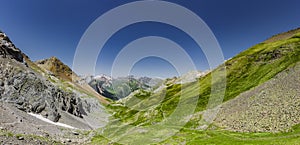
(42, 29)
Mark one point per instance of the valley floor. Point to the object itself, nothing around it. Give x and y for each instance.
(223, 137)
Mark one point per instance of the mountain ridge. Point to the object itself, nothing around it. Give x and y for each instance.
(282, 36)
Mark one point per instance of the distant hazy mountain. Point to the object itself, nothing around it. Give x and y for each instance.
(117, 88)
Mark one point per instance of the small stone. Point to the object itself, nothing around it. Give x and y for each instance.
(47, 135)
(20, 138)
(75, 133)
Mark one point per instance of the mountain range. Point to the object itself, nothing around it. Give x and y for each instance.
(118, 88)
(45, 102)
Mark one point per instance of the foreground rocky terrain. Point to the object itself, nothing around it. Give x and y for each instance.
(18, 127)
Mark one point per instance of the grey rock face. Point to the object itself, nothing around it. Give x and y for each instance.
(31, 93)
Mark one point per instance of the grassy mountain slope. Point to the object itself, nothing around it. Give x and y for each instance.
(245, 71)
(222, 137)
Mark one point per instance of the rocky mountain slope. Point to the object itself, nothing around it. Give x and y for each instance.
(25, 86)
(270, 107)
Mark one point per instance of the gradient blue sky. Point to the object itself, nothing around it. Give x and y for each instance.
(42, 29)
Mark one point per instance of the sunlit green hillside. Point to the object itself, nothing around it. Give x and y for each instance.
(245, 71)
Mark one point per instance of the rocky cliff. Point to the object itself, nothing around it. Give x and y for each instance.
(23, 86)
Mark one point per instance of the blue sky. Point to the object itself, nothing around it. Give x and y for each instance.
(42, 29)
